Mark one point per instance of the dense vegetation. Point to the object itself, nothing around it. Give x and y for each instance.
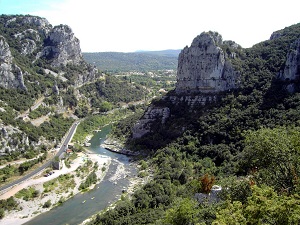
(247, 142)
(112, 90)
(7, 204)
(138, 61)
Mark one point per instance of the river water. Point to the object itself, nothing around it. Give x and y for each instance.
(74, 211)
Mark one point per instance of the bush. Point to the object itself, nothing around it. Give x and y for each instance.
(47, 204)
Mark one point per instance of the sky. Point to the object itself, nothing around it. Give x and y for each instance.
(132, 25)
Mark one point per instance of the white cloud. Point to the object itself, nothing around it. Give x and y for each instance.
(119, 25)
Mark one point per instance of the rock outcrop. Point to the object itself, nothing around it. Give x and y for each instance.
(204, 70)
(90, 74)
(10, 141)
(62, 47)
(204, 67)
(34, 38)
(291, 69)
(11, 75)
(143, 126)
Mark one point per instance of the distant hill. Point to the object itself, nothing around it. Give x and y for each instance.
(167, 53)
(138, 61)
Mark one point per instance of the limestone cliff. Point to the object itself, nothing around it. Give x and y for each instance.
(204, 67)
(37, 41)
(11, 75)
(291, 69)
(143, 126)
(62, 47)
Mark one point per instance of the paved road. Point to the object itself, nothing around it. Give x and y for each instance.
(47, 164)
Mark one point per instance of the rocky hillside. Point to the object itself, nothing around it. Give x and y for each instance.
(45, 84)
(27, 41)
(210, 70)
(232, 124)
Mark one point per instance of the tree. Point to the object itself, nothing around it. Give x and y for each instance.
(2, 213)
(232, 214)
(47, 204)
(182, 213)
(105, 106)
(207, 182)
(266, 206)
(274, 156)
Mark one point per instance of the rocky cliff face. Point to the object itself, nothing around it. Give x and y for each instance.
(12, 139)
(204, 67)
(11, 75)
(62, 47)
(34, 38)
(143, 126)
(291, 70)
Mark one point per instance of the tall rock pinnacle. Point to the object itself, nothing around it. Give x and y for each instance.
(203, 67)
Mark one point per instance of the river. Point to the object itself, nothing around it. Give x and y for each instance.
(74, 211)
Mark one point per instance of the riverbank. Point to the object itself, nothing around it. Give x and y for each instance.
(115, 146)
(29, 209)
(135, 183)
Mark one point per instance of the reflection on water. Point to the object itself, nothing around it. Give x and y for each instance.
(82, 206)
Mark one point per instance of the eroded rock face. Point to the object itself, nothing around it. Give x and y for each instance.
(62, 47)
(11, 75)
(89, 75)
(28, 38)
(203, 67)
(275, 35)
(36, 39)
(291, 70)
(143, 126)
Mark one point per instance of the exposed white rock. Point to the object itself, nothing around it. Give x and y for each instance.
(62, 47)
(41, 22)
(203, 71)
(203, 66)
(11, 75)
(143, 126)
(291, 70)
(5, 54)
(191, 100)
(58, 46)
(28, 39)
(11, 139)
(89, 75)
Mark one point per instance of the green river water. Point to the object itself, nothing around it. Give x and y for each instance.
(73, 211)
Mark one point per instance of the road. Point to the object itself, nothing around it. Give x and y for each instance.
(47, 164)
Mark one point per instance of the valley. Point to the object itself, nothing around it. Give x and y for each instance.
(212, 131)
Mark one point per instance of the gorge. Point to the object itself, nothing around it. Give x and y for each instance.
(232, 120)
